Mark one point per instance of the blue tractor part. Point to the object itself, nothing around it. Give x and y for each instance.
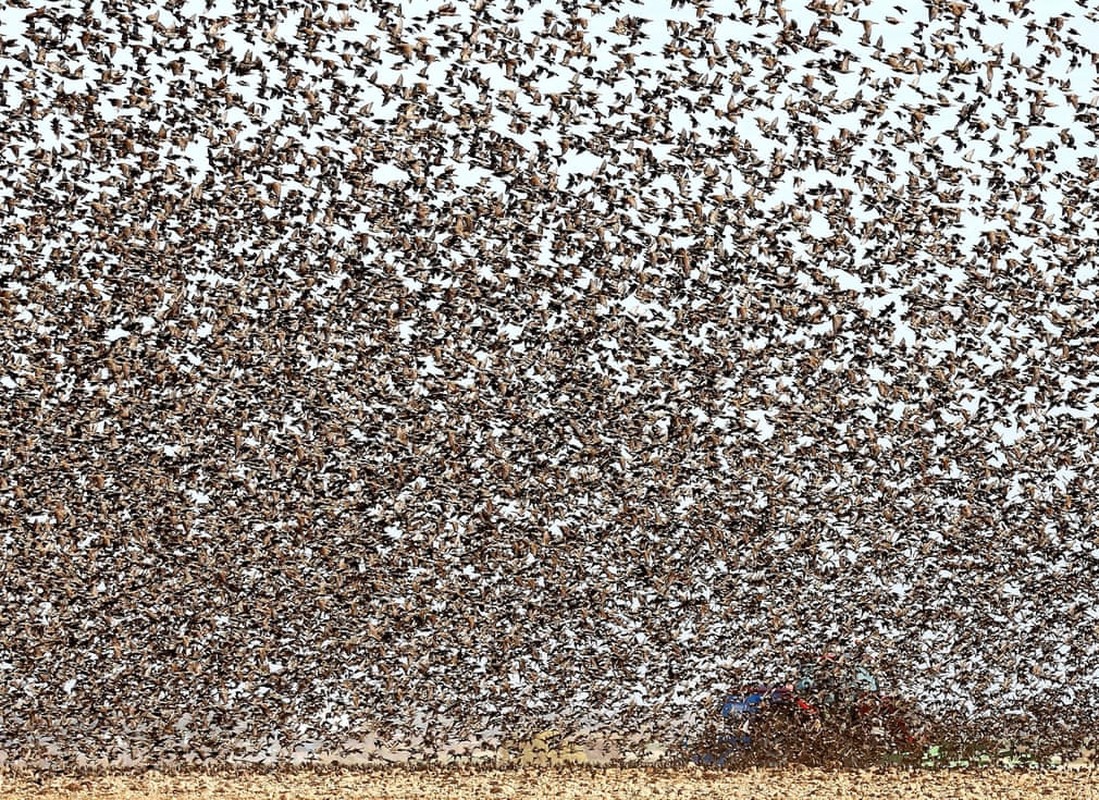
(737, 712)
(723, 748)
(737, 705)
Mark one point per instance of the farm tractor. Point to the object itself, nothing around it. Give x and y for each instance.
(832, 712)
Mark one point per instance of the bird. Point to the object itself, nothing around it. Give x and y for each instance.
(432, 380)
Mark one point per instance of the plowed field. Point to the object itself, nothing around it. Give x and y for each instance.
(561, 783)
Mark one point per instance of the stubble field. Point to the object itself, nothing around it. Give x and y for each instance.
(563, 783)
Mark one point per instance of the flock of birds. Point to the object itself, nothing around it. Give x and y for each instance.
(445, 370)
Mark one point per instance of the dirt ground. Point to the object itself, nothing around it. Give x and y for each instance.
(564, 783)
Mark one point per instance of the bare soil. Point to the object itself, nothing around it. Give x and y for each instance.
(564, 783)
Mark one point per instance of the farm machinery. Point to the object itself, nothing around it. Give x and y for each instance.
(832, 712)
